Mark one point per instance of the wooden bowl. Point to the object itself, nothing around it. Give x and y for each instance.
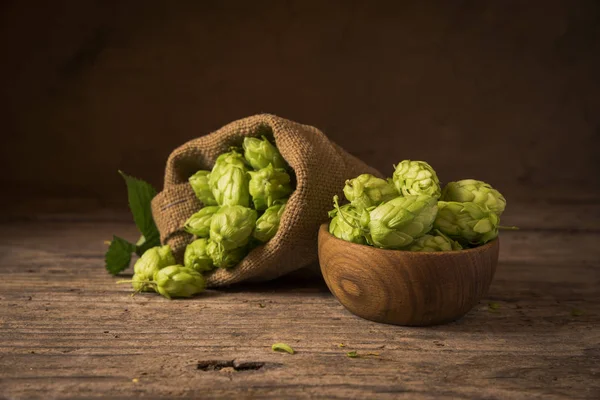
(404, 287)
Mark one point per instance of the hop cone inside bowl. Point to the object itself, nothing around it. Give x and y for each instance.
(178, 281)
(200, 186)
(260, 153)
(468, 223)
(231, 226)
(415, 178)
(268, 185)
(478, 192)
(367, 190)
(268, 223)
(345, 223)
(199, 223)
(398, 222)
(435, 242)
(148, 264)
(196, 256)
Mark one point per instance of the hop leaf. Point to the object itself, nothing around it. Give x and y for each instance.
(224, 258)
(468, 222)
(148, 264)
(260, 153)
(231, 226)
(178, 281)
(196, 256)
(367, 190)
(416, 177)
(398, 222)
(268, 223)
(199, 182)
(269, 185)
(199, 223)
(478, 192)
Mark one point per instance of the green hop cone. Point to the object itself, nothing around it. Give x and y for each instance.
(199, 223)
(468, 223)
(477, 192)
(229, 159)
(367, 190)
(199, 182)
(268, 223)
(224, 258)
(232, 226)
(197, 257)
(416, 177)
(178, 281)
(343, 224)
(398, 222)
(230, 186)
(260, 153)
(435, 242)
(148, 264)
(269, 185)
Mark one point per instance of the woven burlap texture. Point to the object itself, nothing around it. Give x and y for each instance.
(320, 167)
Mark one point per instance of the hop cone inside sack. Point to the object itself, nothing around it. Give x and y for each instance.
(260, 153)
(225, 258)
(469, 223)
(199, 223)
(398, 222)
(367, 190)
(268, 223)
(178, 281)
(232, 226)
(434, 243)
(269, 185)
(196, 256)
(148, 264)
(199, 183)
(477, 192)
(416, 177)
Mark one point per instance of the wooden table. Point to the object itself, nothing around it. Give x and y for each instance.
(68, 331)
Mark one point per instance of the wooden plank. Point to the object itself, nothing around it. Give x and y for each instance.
(67, 330)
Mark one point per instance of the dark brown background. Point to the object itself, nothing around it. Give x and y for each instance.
(505, 91)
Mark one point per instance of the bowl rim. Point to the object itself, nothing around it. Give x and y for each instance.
(324, 230)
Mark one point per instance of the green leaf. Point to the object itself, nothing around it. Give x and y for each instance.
(140, 195)
(118, 255)
(352, 354)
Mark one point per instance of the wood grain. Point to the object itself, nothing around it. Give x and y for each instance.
(68, 331)
(406, 288)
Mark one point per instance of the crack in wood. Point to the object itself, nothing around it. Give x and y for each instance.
(218, 365)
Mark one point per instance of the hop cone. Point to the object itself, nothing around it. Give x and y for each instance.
(268, 223)
(260, 153)
(230, 186)
(436, 242)
(199, 182)
(231, 226)
(199, 223)
(477, 192)
(468, 223)
(400, 221)
(178, 281)
(226, 160)
(148, 264)
(366, 191)
(268, 185)
(344, 223)
(197, 257)
(416, 177)
(224, 258)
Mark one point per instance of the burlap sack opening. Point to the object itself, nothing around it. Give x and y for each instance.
(320, 167)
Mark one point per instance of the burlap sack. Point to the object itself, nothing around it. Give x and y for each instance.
(320, 166)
